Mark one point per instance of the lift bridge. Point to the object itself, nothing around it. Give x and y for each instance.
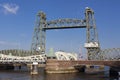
(37, 52)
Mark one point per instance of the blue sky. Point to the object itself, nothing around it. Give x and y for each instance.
(17, 20)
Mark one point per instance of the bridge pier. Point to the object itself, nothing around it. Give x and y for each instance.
(114, 71)
(34, 68)
(94, 69)
(6, 67)
(17, 66)
(56, 66)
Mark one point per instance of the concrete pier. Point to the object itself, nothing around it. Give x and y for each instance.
(114, 71)
(34, 68)
(94, 69)
(55, 66)
(58, 66)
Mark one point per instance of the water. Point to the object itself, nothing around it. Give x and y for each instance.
(25, 75)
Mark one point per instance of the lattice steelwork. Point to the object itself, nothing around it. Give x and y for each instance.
(106, 54)
(38, 43)
(92, 44)
(109, 54)
(65, 23)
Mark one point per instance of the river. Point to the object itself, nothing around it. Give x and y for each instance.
(25, 75)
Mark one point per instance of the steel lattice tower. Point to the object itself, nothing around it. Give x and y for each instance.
(92, 44)
(38, 43)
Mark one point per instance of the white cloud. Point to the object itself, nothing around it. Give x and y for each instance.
(9, 8)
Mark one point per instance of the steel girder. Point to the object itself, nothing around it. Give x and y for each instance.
(65, 24)
(109, 54)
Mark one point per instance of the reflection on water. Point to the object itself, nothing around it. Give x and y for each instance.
(23, 75)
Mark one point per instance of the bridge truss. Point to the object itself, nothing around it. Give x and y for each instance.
(39, 37)
(22, 56)
(37, 52)
(109, 54)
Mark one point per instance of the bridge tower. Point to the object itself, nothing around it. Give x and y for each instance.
(92, 44)
(38, 40)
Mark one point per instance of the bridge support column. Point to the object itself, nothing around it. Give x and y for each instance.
(93, 69)
(34, 68)
(114, 71)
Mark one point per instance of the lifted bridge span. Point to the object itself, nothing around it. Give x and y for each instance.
(96, 56)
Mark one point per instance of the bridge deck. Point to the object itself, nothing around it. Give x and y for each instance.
(114, 63)
(107, 63)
